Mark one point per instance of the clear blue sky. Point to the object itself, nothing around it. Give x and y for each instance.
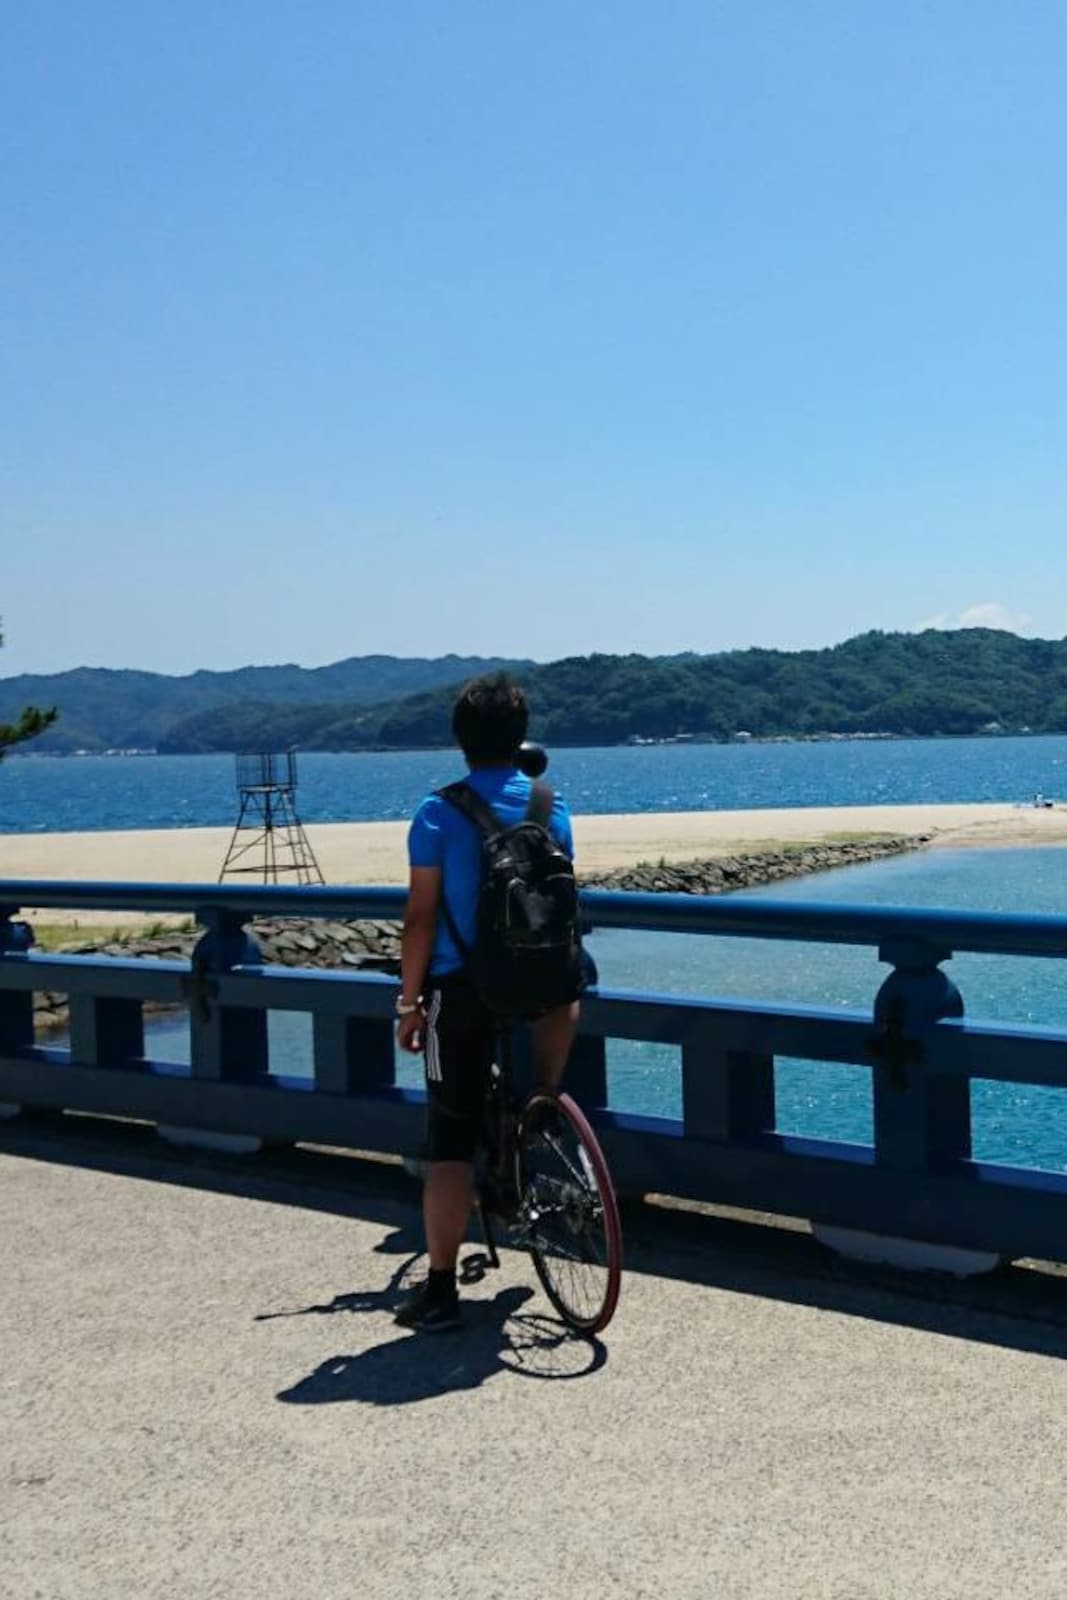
(343, 327)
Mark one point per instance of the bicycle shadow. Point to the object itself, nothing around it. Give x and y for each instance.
(495, 1337)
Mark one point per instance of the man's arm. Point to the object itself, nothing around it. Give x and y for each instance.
(420, 927)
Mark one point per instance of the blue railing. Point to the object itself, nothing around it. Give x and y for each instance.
(917, 1181)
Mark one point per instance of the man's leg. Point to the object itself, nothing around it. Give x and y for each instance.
(551, 1038)
(447, 1198)
(459, 1053)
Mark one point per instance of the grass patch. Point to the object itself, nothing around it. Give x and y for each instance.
(53, 935)
(861, 838)
(792, 847)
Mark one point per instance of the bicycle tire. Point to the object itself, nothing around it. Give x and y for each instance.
(581, 1200)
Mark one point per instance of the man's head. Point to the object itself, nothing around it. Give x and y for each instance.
(489, 720)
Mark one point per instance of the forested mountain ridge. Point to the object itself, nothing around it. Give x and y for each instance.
(103, 709)
(963, 681)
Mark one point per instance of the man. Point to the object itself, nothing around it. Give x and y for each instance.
(438, 1008)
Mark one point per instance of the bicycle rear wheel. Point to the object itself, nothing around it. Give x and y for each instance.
(568, 1212)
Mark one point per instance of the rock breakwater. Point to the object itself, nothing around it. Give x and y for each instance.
(727, 874)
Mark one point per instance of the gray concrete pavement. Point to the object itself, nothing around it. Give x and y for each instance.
(202, 1395)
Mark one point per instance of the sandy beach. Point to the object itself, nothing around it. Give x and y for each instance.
(373, 852)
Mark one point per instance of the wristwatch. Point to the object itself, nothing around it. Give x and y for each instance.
(403, 1010)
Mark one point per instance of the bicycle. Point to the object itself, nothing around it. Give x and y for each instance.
(544, 1177)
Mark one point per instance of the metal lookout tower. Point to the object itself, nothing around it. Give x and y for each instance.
(269, 838)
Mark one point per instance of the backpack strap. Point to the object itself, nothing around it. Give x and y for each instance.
(473, 807)
(457, 938)
(467, 801)
(539, 809)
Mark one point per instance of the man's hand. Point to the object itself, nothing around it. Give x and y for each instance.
(411, 1033)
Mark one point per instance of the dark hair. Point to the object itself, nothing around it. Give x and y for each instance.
(489, 718)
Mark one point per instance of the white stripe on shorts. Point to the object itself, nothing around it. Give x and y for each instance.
(433, 1045)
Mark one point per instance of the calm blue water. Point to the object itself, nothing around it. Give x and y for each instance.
(1012, 1123)
(39, 795)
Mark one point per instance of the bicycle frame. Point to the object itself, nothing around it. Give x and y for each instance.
(496, 1190)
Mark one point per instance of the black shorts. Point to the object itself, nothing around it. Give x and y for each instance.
(460, 1047)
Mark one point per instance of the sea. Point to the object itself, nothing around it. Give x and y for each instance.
(1012, 1123)
(41, 794)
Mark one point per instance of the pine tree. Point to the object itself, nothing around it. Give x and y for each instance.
(29, 725)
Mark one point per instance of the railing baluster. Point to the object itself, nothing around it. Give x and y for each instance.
(353, 1055)
(587, 1067)
(587, 1071)
(105, 1032)
(726, 1094)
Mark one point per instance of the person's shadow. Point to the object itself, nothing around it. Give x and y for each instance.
(494, 1337)
(402, 1241)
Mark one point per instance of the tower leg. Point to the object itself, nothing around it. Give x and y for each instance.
(271, 812)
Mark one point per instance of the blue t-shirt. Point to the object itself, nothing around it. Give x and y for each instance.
(441, 836)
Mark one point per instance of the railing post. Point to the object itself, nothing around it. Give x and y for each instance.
(921, 1120)
(16, 1005)
(227, 1042)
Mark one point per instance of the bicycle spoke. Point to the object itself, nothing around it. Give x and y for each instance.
(562, 1205)
(575, 1172)
(557, 1251)
(589, 1233)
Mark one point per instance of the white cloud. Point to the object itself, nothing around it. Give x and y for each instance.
(988, 614)
(991, 614)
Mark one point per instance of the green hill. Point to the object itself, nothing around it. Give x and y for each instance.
(966, 681)
(961, 682)
(102, 709)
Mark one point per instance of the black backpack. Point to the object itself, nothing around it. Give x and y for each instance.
(526, 955)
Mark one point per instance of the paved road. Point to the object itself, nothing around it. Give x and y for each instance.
(202, 1395)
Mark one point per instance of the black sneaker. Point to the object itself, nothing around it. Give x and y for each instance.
(428, 1315)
